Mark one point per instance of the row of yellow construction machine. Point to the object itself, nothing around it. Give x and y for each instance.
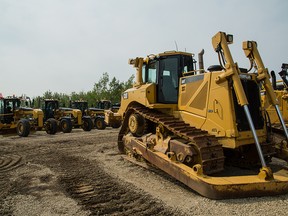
(16, 114)
(63, 117)
(103, 115)
(207, 129)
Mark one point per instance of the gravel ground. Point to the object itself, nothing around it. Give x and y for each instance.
(82, 173)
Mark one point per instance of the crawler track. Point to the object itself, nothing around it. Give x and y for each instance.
(211, 151)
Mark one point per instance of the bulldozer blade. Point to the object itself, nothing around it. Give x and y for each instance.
(222, 186)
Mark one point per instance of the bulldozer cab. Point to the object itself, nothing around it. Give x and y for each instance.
(165, 71)
(7, 107)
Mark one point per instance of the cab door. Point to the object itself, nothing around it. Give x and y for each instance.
(168, 82)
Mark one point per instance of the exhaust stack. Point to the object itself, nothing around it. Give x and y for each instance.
(200, 59)
(273, 76)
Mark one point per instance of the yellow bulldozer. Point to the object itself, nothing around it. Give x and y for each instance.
(23, 119)
(207, 129)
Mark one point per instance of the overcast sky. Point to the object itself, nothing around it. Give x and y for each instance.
(66, 45)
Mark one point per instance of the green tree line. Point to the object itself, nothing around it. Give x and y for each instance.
(103, 89)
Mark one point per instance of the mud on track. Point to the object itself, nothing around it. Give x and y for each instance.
(82, 173)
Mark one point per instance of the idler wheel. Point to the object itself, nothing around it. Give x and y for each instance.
(136, 124)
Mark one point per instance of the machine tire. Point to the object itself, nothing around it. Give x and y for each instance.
(23, 128)
(136, 124)
(66, 125)
(51, 126)
(87, 124)
(100, 123)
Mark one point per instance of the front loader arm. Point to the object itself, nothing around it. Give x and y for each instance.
(220, 43)
(137, 63)
(251, 52)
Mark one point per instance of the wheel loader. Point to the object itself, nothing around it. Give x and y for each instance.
(101, 117)
(65, 118)
(281, 91)
(13, 117)
(207, 129)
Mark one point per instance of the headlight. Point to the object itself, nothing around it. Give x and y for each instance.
(229, 39)
(125, 95)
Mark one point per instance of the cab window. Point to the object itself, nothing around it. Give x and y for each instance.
(149, 72)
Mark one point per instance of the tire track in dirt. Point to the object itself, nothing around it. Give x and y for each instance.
(7, 163)
(102, 194)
